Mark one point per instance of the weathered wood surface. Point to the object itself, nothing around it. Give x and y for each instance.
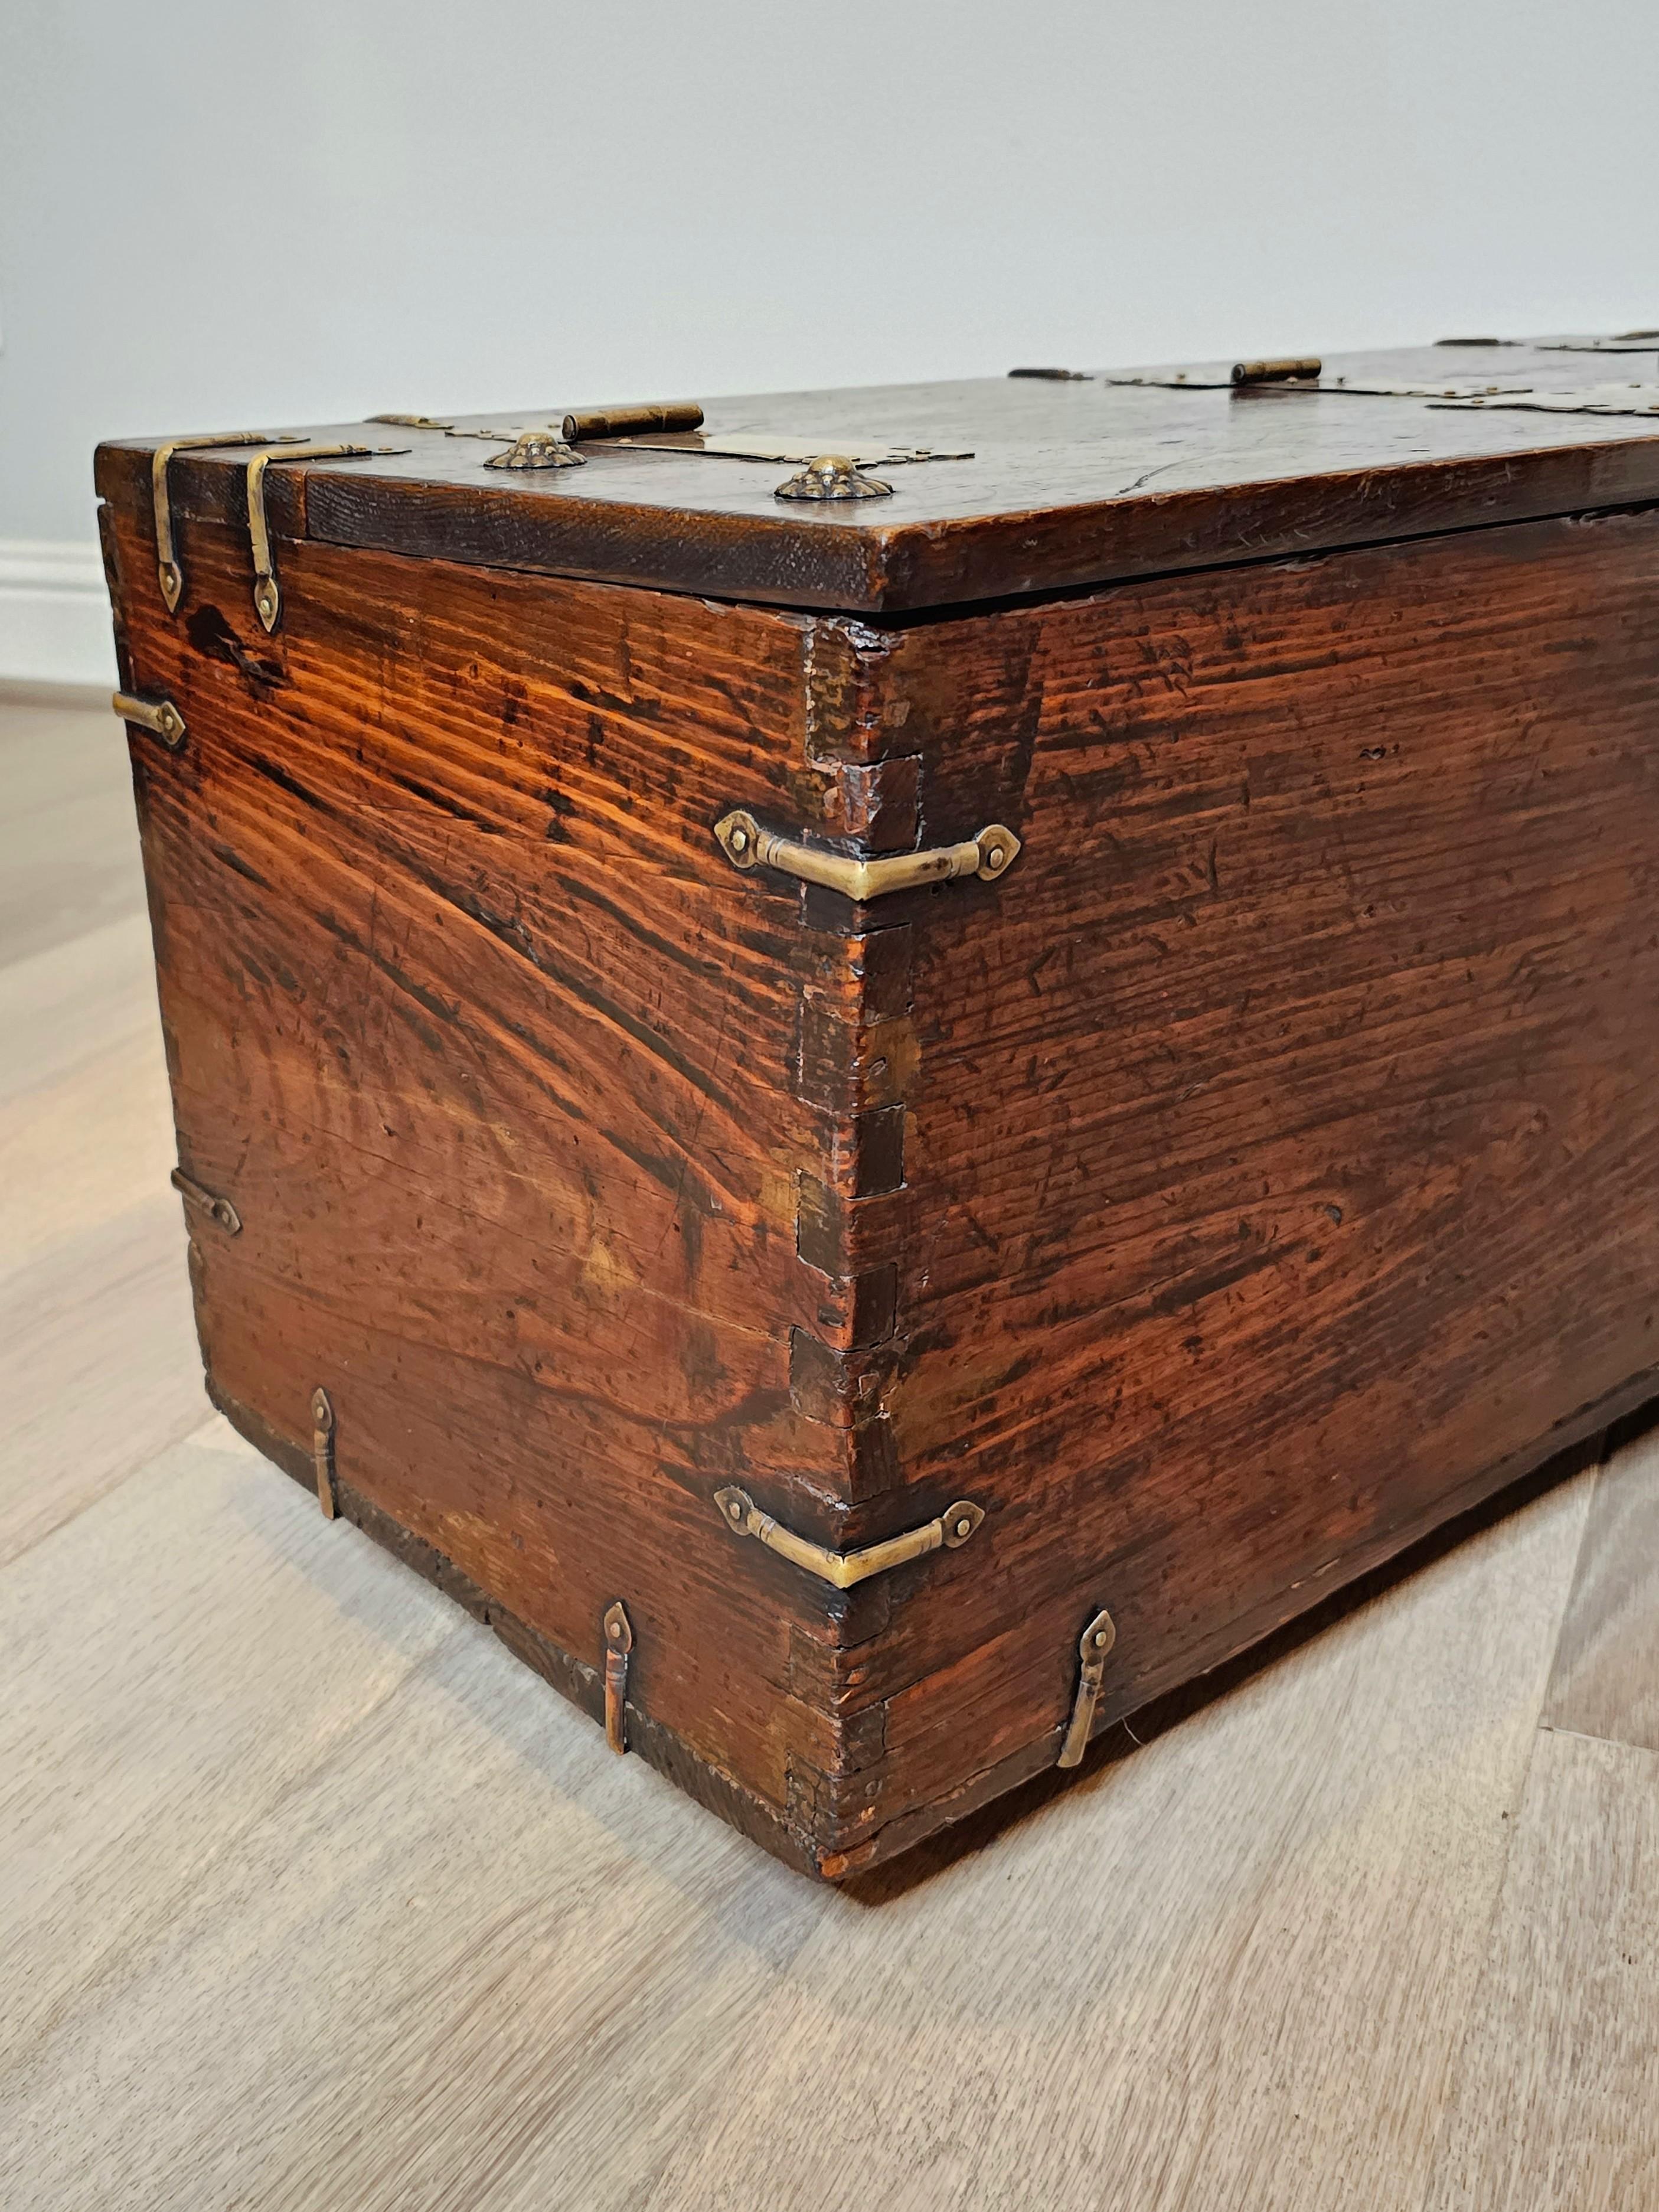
(493, 1052)
(1281, 1144)
(1192, 1199)
(1069, 485)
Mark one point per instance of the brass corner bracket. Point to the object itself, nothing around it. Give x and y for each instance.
(746, 845)
(1096, 1641)
(842, 1569)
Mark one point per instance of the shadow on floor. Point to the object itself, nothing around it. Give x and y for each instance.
(982, 1829)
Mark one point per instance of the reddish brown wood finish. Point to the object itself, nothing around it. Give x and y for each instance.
(1259, 1173)
(1068, 484)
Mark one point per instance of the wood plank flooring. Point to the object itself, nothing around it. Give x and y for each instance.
(311, 1897)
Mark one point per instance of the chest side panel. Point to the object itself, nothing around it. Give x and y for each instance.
(471, 1021)
(1284, 1135)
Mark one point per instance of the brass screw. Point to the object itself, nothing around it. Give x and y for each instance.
(1100, 1636)
(994, 855)
(735, 1511)
(739, 839)
(964, 1526)
(615, 1632)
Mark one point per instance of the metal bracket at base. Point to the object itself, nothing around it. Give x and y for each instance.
(618, 1644)
(745, 1518)
(746, 845)
(1096, 1641)
(322, 1451)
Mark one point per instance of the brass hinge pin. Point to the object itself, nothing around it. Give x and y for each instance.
(217, 1209)
(159, 716)
(745, 1518)
(322, 1451)
(618, 1644)
(1302, 368)
(746, 845)
(1096, 1641)
(629, 422)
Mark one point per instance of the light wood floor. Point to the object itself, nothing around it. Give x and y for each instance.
(311, 1897)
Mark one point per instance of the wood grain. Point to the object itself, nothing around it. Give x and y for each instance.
(1605, 1681)
(1280, 1147)
(1217, 1253)
(1556, 2103)
(1068, 485)
(469, 1015)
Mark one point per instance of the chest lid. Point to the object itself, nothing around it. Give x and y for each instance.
(890, 499)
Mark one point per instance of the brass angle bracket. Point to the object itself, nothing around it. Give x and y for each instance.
(989, 854)
(843, 1570)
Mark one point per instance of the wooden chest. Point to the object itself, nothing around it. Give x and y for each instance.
(885, 1104)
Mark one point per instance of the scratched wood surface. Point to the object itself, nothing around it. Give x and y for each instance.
(1356, 1190)
(1227, 1141)
(1067, 483)
(310, 1895)
(502, 1095)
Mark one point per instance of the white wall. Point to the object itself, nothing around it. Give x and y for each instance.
(214, 213)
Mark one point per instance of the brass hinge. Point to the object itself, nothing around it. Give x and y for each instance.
(267, 593)
(1096, 1641)
(169, 574)
(618, 1644)
(952, 1527)
(322, 1451)
(159, 716)
(217, 1209)
(746, 845)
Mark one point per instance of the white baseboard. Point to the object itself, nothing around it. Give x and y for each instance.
(54, 613)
